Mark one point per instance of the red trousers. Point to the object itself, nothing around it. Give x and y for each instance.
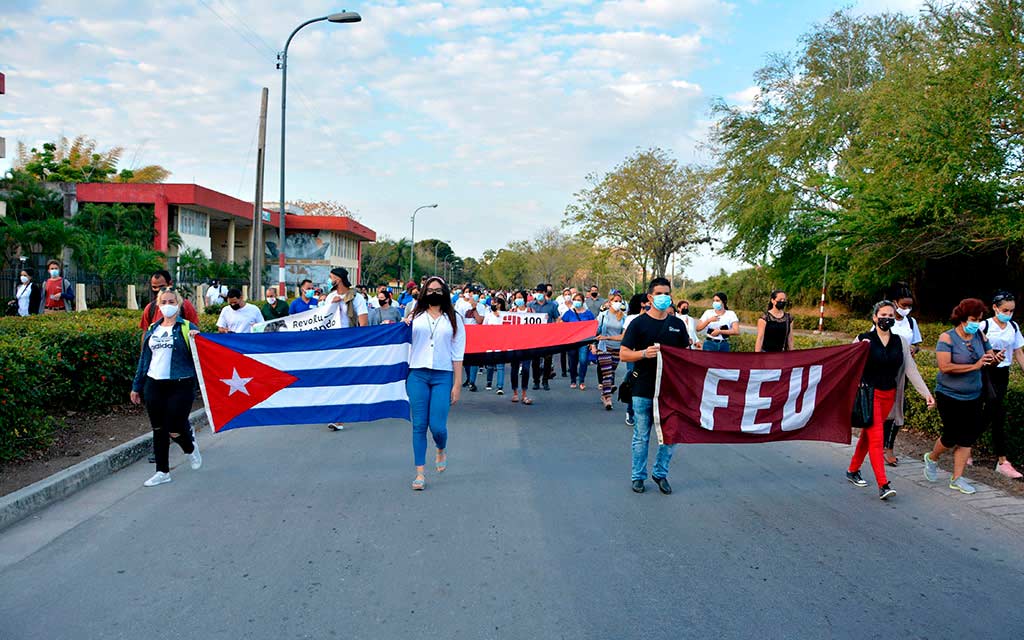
(871, 438)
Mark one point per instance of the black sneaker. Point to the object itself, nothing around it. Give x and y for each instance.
(472, 387)
(465, 384)
(565, 375)
(886, 492)
(546, 387)
(638, 486)
(488, 387)
(152, 458)
(854, 478)
(663, 485)
(536, 386)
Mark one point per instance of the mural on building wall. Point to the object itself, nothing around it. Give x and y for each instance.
(302, 246)
(308, 256)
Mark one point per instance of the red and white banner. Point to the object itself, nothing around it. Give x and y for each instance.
(738, 398)
(495, 344)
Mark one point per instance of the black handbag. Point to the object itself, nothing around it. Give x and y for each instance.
(626, 388)
(864, 406)
(988, 390)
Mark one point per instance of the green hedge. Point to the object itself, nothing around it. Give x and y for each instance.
(52, 364)
(850, 325)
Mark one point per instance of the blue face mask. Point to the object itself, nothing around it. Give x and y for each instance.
(520, 302)
(1004, 317)
(576, 304)
(662, 301)
(972, 327)
(309, 293)
(717, 306)
(476, 297)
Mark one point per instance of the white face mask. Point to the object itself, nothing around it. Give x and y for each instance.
(54, 273)
(169, 310)
(904, 312)
(617, 306)
(24, 279)
(271, 300)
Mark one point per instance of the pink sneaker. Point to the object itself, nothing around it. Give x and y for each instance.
(1006, 469)
(970, 461)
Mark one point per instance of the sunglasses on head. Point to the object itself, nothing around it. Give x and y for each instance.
(1003, 297)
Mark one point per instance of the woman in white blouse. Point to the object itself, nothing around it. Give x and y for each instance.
(720, 323)
(435, 372)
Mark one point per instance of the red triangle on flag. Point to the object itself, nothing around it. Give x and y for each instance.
(235, 382)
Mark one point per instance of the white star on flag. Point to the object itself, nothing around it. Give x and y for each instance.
(236, 383)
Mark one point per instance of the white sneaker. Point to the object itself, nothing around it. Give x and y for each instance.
(195, 459)
(336, 426)
(158, 478)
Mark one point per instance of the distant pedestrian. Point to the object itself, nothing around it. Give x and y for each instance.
(493, 317)
(543, 306)
(435, 369)
(306, 299)
(683, 313)
(962, 353)
(239, 316)
(386, 312)
(215, 293)
(775, 326)
(28, 296)
(579, 359)
(907, 327)
(58, 290)
(165, 379)
(643, 340)
(274, 307)
(520, 370)
(161, 279)
(720, 323)
(1004, 335)
(610, 330)
(594, 301)
(889, 361)
(352, 305)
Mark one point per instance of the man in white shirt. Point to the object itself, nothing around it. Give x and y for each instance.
(214, 294)
(238, 316)
(354, 311)
(472, 311)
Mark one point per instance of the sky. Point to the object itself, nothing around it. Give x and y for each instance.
(495, 111)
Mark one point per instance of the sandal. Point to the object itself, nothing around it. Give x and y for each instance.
(418, 484)
(583, 387)
(442, 465)
(527, 400)
(892, 463)
(515, 396)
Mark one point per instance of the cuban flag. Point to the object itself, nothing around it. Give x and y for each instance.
(337, 375)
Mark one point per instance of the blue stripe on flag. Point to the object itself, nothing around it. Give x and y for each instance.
(334, 413)
(290, 341)
(344, 376)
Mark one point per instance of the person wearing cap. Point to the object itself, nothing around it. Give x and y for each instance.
(354, 311)
(406, 296)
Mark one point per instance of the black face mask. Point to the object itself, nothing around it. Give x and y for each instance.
(685, 311)
(434, 298)
(593, 294)
(780, 305)
(886, 323)
(236, 306)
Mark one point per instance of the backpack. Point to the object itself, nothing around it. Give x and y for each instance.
(984, 326)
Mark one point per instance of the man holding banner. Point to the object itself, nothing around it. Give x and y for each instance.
(640, 345)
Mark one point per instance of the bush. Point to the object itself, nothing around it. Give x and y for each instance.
(52, 364)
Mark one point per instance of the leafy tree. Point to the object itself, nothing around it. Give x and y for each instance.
(649, 203)
(81, 161)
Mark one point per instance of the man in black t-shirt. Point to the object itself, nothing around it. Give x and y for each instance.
(643, 339)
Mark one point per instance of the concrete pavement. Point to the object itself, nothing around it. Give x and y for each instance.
(532, 532)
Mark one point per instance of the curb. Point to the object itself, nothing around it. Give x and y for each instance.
(26, 501)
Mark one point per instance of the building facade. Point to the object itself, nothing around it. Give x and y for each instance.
(221, 227)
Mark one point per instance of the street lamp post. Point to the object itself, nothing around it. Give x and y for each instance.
(340, 17)
(412, 241)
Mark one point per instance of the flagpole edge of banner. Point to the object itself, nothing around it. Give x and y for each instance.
(657, 395)
(202, 387)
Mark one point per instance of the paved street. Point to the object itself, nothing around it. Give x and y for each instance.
(533, 532)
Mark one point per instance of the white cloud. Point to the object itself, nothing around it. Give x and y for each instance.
(663, 13)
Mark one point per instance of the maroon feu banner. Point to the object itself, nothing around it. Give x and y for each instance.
(495, 344)
(737, 398)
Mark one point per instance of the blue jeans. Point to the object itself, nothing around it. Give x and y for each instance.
(470, 376)
(430, 397)
(716, 345)
(500, 368)
(644, 408)
(578, 363)
(629, 405)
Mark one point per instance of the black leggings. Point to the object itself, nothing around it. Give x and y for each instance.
(168, 403)
(994, 415)
(541, 370)
(521, 369)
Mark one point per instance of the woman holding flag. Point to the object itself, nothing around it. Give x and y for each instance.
(166, 379)
(435, 372)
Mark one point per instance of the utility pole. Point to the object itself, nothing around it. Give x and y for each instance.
(256, 249)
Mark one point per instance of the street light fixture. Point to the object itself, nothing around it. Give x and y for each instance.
(340, 17)
(412, 240)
